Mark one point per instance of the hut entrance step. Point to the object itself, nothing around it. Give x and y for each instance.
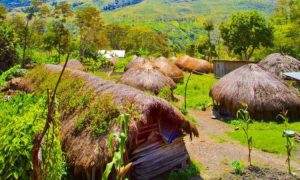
(151, 160)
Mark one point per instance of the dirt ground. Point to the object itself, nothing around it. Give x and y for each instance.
(215, 151)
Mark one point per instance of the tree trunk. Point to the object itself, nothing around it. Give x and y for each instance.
(25, 43)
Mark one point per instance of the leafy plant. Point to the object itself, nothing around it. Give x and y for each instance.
(118, 156)
(8, 73)
(289, 144)
(20, 118)
(245, 117)
(237, 166)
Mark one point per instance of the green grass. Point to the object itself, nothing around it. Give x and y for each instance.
(198, 90)
(193, 170)
(267, 136)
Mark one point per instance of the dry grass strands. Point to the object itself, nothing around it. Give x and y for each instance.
(88, 154)
(278, 64)
(145, 76)
(198, 66)
(265, 94)
(169, 69)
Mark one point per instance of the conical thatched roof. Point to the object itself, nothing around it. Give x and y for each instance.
(135, 60)
(169, 69)
(265, 94)
(74, 64)
(173, 59)
(162, 58)
(197, 66)
(278, 64)
(86, 152)
(145, 76)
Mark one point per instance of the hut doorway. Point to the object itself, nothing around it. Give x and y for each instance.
(161, 149)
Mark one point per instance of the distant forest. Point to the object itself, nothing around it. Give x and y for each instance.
(120, 3)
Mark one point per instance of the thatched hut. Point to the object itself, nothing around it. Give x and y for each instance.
(198, 66)
(145, 76)
(173, 59)
(135, 60)
(74, 64)
(169, 69)
(265, 94)
(278, 64)
(155, 139)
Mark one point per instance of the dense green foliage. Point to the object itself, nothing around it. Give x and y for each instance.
(8, 52)
(245, 32)
(21, 118)
(287, 27)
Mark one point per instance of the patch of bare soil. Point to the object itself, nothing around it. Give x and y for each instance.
(254, 172)
(215, 150)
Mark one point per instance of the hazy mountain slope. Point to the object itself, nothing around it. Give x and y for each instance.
(176, 9)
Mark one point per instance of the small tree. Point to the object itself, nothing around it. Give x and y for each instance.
(3, 13)
(209, 26)
(244, 32)
(30, 13)
(245, 117)
(8, 53)
(91, 30)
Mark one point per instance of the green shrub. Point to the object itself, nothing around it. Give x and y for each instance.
(6, 74)
(21, 117)
(237, 166)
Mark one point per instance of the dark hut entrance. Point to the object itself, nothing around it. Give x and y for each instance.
(160, 148)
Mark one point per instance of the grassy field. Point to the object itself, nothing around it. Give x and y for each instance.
(198, 90)
(267, 136)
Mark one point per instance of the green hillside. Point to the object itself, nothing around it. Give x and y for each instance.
(182, 20)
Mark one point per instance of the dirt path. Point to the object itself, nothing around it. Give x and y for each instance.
(215, 151)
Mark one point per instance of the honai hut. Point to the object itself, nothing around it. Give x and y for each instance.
(265, 94)
(278, 64)
(74, 64)
(197, 66)
(155, 132)
(135, 60)
(169, 69)
(145, 76)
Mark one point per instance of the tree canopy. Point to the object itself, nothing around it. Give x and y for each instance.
(245, 32)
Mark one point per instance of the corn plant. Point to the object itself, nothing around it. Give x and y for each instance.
(244, 115)
(288, 134)
(118, 157)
